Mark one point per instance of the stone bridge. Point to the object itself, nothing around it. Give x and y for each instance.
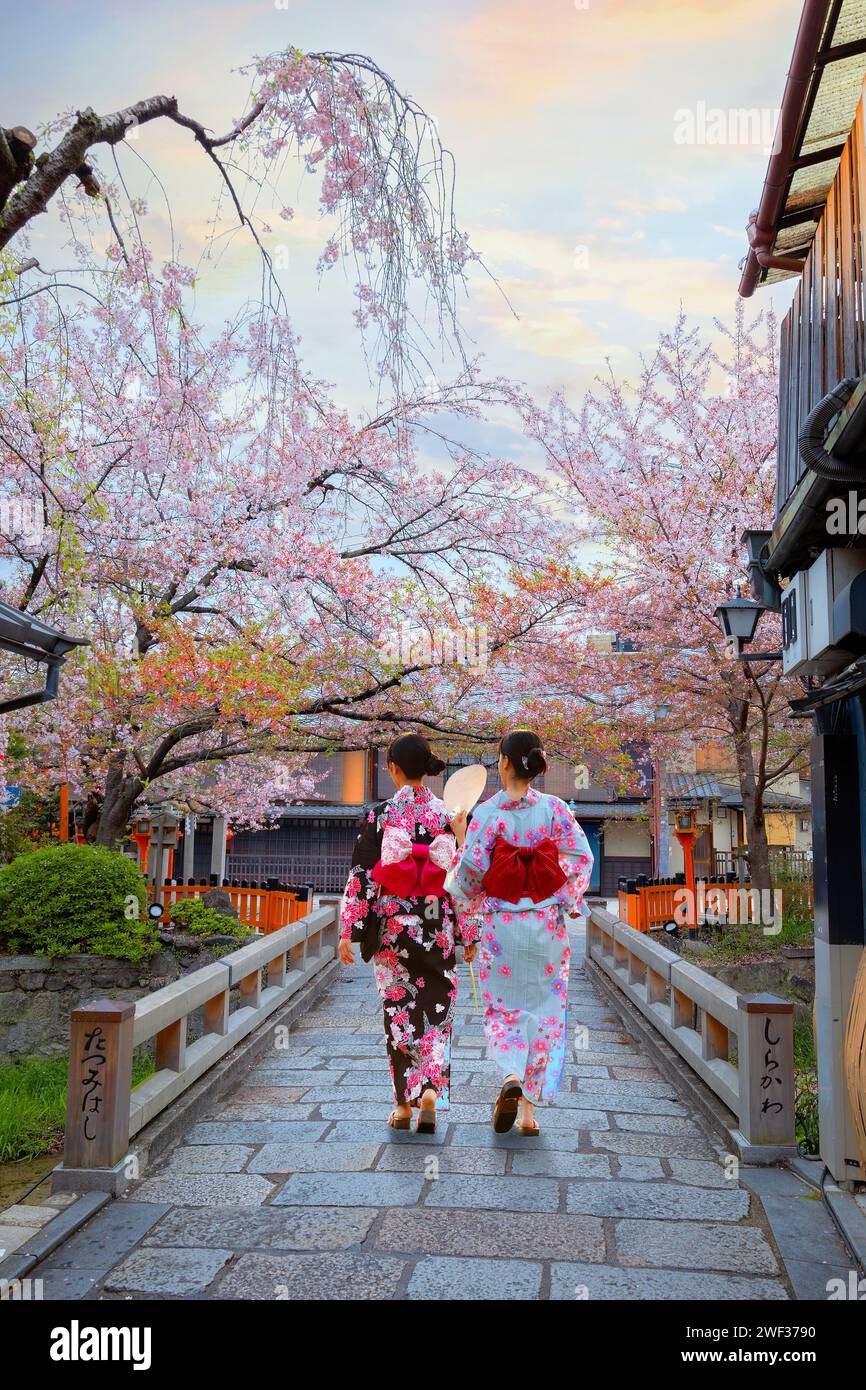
(283, 1182)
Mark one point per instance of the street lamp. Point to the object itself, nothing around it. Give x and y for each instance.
(738, 618)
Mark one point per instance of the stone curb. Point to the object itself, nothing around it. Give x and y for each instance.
(846, 1210)
(53, 1233)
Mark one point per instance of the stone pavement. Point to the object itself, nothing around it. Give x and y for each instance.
(294, 1187)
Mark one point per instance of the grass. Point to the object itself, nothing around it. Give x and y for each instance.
(33, 1104)
(746, 942)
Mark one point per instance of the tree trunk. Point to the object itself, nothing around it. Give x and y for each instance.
(121, 793)
(753, 805)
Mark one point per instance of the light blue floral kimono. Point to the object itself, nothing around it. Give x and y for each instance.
(524, 955)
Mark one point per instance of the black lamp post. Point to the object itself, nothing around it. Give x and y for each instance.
(26, 636)
(738, 618)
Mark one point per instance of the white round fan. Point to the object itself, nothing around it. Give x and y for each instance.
(464, 787)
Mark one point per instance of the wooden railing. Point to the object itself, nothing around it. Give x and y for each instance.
(742, 1047)
(823, 337)
(784, 861)
(264, 909)
(104, 1113)
(650, 906)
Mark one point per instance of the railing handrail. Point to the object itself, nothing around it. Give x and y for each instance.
(698, 1016)
(103, 1112)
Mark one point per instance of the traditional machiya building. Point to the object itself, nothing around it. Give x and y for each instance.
(312, 842)
(810, 226)
(708, 783)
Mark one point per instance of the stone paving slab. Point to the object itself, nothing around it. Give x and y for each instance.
(650, 1200)
(599, 1282)
(76, 1268)
(204, 1189)
(262, 1228)
(495, 1194)
(257, 1131)
(350, 1190)
(411, 1158)
(360, 1131)
(663, 1145)
(210, 1158)
(700, 1173)
(556, 1164)
(649, 1123)
(437, 1277)
(314, 1158)
(695, 1245)
(270, 1095)
(510, 1235)
(482, 1136)
(287, 1113)
(164, 1271)
(327, 1275)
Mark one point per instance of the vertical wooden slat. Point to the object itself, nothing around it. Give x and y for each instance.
(831, 296)
(794, 395)
(816, 318)
(784, 409)
(846, 236)
(858, 193)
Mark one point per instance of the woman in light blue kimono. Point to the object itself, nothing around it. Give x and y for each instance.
(524, 866)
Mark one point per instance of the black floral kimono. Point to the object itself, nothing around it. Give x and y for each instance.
(403, 850)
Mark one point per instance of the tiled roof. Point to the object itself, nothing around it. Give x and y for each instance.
(609, 810)
(830, 101)
(699, 786)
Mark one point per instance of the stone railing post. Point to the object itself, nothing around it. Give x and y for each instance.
(765, 1060)
(97, 1099)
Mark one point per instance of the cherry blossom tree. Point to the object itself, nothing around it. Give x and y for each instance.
(385, 180)
(664, 476)
(241, 552)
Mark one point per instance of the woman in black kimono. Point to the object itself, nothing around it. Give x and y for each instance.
(395, 906)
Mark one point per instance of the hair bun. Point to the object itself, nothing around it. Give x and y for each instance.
(536, 762)
(434, 765)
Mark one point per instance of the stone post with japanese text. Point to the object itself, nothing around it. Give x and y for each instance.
(97, 1098)
(766, 1066)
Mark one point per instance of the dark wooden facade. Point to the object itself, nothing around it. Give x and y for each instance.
(823, 338)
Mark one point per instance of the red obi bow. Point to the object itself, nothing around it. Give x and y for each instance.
(410, 870)
(516, 872)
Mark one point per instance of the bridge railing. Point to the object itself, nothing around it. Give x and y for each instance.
(103, 1112)
(741, 1046)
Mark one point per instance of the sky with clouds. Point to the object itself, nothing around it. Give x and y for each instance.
(566, 119)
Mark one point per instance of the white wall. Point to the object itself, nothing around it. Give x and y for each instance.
(627, 839)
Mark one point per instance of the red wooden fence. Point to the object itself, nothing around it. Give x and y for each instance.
(263, 909)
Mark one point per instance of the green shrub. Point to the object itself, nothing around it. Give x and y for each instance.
(805, 1087)
(71, 898)
(191, 915)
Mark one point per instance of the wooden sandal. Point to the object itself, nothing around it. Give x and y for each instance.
(505, 1109)
(528, 1131)
(426, 1122)
(399, 1121)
